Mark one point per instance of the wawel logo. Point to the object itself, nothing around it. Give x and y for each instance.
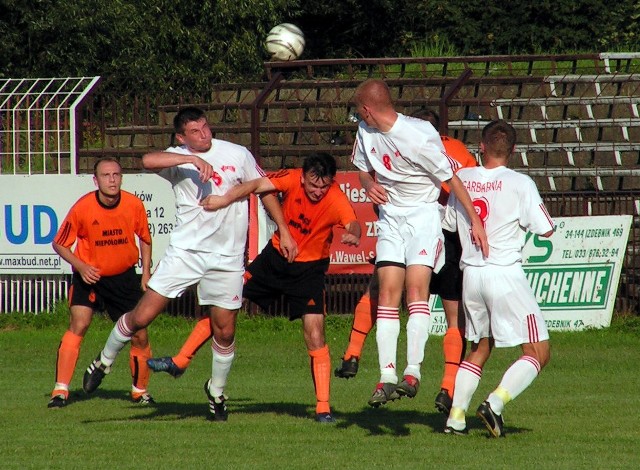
(570, 286)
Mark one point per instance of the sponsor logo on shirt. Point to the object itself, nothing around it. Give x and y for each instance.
(228, 168)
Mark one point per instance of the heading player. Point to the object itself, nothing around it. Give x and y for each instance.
(447, 283)
(402, 164)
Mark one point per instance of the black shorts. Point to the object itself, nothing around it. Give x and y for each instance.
(271, 276)
(116, 294)
(448, 282)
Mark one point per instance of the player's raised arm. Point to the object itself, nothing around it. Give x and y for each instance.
(156, 161)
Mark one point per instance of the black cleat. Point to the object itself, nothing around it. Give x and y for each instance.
(57, 401)
(217, 405)
(94, 374)
(165, 364)
(325, 418)
(383, 393)
(443, 402)
(491, 420)
(408, 387)
(144, 399)
(348, 369)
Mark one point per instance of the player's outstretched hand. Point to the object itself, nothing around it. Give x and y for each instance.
(213, 203)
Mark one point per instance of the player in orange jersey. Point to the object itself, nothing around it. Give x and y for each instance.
(312, 204)
(447, 283)
(103, 225)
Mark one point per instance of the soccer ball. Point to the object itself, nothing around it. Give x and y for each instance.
(285, 42)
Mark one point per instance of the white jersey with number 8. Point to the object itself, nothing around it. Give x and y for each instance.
(409, 160)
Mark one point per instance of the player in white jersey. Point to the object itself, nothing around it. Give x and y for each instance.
(402, 164)
(206, 247)
(499, 304)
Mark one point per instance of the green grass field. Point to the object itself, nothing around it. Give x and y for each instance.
(580, 413)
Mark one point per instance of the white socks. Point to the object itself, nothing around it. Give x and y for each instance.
(387, 332)
(417, 336)
(220, 366)
(514, 381)
(120, 335)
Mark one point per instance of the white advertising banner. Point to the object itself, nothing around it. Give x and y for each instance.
(574, 274)
(33, 207)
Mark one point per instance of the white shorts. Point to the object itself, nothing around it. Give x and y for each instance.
(410, 236)
(219, 277)
(499, 303)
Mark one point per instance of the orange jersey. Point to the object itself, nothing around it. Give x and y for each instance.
(310, 223)
(459, 152)
(105, 235)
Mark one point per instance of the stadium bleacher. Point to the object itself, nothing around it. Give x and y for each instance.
(577, 118)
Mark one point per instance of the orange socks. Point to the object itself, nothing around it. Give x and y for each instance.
(453, 347)
(321, 374)
(139, 368)
(363, 320)
(200, 334)
(68, 352)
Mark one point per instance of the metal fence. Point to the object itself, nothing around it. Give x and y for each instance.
(577, 118)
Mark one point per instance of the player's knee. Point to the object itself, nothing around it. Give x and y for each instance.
(140, 339)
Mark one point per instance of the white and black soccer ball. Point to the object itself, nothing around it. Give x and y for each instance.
(285, 42)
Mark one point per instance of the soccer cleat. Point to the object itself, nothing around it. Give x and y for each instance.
(325, 418)
(94, 374)
(443, 402)
(144, 399)
(383, 393)
(408, 387)
(348, 369)
(57, 401)
(456, 432)
(491, 420)
(165, 364)
(217, 405)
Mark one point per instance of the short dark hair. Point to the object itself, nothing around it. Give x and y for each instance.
(186, 115)
(320, 164)
(498, 138)
(427, 114)
(104, 159)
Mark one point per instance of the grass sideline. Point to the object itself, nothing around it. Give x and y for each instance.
(580, 413)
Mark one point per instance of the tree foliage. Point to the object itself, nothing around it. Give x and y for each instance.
(165, 45)
(147, 43)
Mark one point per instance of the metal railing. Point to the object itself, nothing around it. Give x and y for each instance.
(39, 125)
